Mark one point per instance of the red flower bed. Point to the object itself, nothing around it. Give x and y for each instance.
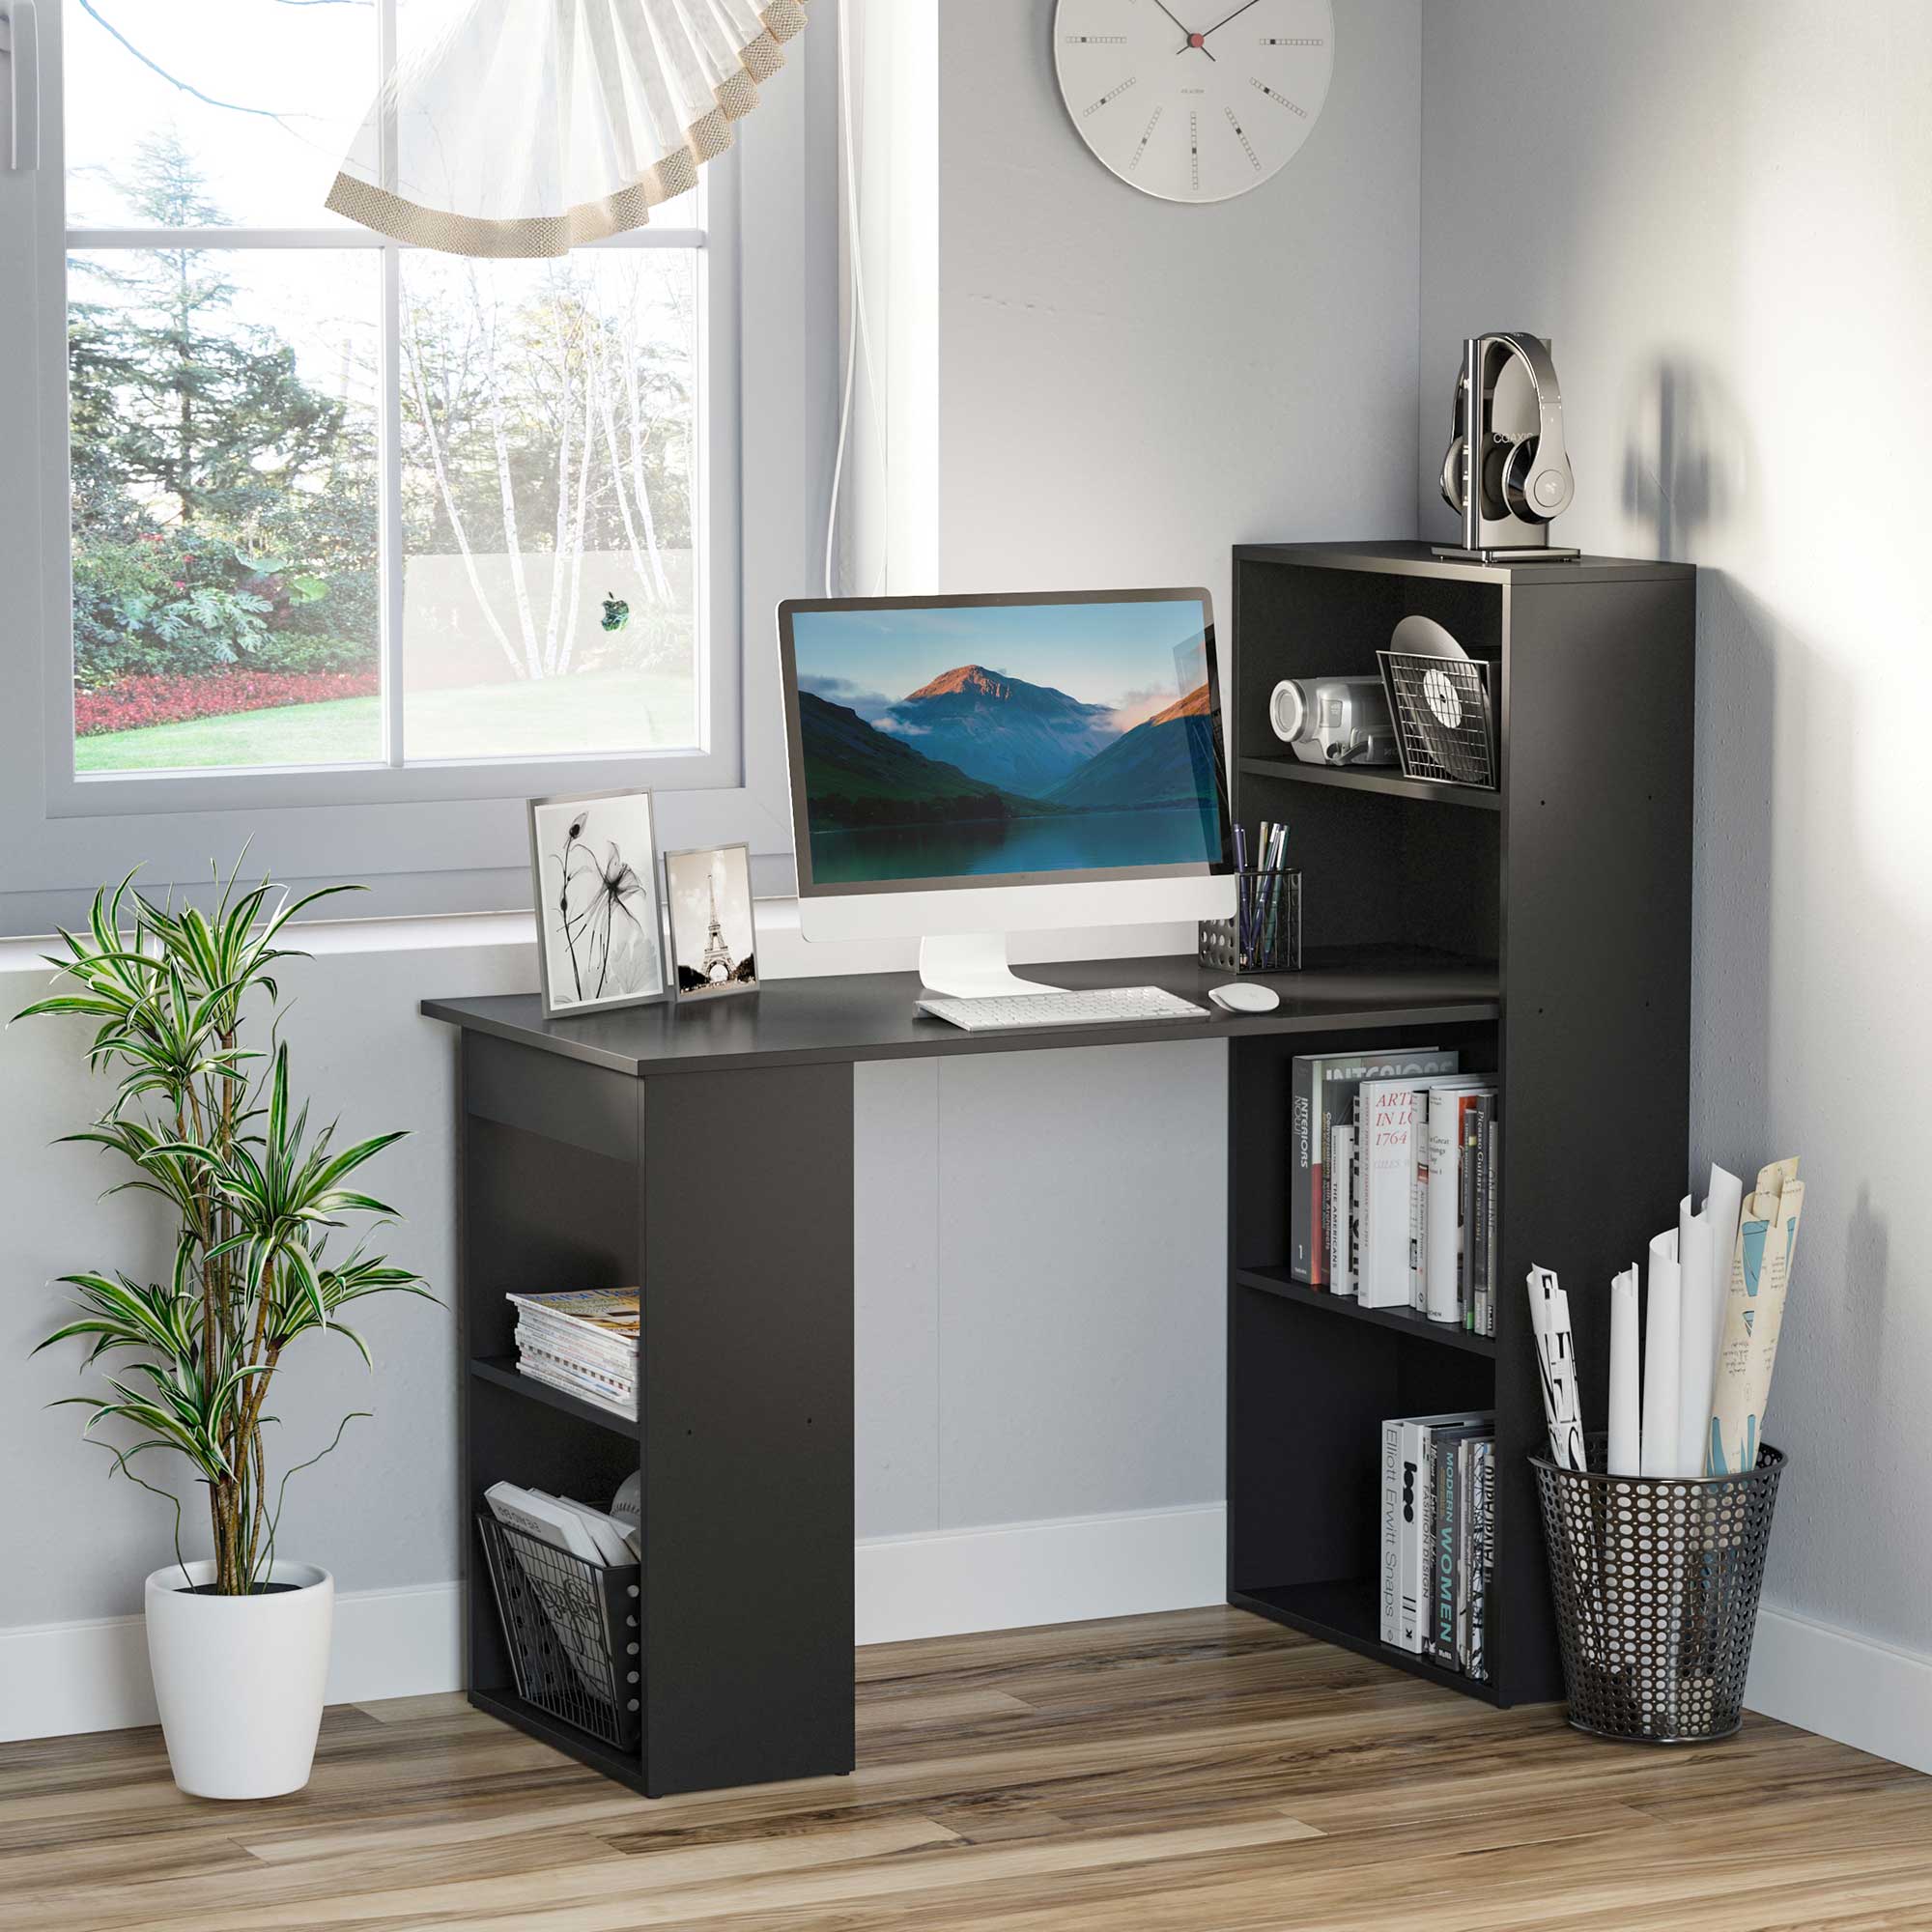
(135, 701)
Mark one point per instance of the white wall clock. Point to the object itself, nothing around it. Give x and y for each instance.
(1194, 99)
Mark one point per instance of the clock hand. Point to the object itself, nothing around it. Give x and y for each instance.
(1219, 24)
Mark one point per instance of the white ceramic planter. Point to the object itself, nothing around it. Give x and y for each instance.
(239, 1679)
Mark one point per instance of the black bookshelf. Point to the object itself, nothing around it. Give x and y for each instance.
(1571, 883)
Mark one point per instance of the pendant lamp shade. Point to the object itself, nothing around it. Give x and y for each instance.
(522, 128)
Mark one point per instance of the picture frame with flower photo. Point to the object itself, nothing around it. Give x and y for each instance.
(594, 882)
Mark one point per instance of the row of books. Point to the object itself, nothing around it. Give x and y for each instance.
(1438, 1546)
(583, 1341)
(1392, 1197)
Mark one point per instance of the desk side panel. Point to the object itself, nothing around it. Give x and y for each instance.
(747, 1426)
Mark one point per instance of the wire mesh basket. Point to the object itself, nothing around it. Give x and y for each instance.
(1265, 934)
(572, 1630)
(1656, 1584)
(1444, 724)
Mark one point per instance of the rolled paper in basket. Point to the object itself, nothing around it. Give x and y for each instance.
(1556, 1360)
(1659, 1359)
(1722, 1209)
(1625, 1431)
(1696, 1338)
(1767, 1239)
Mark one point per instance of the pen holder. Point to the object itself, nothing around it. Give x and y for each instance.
(1655, 1581)
(1264, 936)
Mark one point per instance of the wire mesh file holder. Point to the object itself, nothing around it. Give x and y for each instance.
(1444, 722)
(1655, 1581)
(572, 1630)
(1264, 936)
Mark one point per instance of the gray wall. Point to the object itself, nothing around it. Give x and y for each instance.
(1129, 386)
(1126, 389)
(1040, 1285)
(1719, 214)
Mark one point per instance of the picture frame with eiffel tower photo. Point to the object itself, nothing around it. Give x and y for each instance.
(594, 882)
(712, 933)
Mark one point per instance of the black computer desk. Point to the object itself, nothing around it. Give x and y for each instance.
(706, 1151)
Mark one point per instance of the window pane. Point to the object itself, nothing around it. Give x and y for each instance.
(548, 489)
(226, 602)
(265, 98)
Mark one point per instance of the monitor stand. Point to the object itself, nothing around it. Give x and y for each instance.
(971, 966)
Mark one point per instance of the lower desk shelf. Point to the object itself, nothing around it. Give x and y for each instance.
(626, 1767)
(1344, 1612)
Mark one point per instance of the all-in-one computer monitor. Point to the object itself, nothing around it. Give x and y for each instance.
(966, 767)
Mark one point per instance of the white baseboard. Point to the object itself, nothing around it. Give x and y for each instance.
(1870, 1695)
(1012, 1575)
(60, 1679)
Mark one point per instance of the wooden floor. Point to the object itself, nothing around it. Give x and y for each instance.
(1200, 1770)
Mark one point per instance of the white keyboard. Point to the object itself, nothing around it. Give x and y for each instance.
(1108, 1006)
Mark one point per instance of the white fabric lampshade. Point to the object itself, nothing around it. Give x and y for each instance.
(522, 128)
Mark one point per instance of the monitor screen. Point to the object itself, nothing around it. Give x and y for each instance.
(1003, 740)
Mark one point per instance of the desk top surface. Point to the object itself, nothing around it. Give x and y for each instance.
(872, 1015)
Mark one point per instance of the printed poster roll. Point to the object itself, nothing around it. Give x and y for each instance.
(1556, 1362)
(1754, 1315)
(1696, 1337)
(1625, 1426)
(1662, 1326)
(1721, 1210)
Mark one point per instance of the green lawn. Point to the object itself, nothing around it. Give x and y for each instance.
(622, 710)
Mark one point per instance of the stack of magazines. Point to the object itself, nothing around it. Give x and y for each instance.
(583, 1341)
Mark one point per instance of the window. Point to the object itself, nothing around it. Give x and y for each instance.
(406, 689)
(338, 504)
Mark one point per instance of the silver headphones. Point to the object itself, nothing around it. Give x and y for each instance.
(1507, 472)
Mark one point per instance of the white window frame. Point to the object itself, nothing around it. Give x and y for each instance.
(447, 837)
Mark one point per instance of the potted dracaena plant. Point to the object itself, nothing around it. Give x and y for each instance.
(238, 1641)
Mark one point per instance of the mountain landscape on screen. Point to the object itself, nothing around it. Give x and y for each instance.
(856, 775)
(1022, 737)
(1164, 763)
(976, 744)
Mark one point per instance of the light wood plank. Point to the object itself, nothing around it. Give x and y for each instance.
(1198, 1771)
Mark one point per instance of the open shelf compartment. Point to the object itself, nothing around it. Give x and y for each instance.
(1343, 1611)
(1574, 876)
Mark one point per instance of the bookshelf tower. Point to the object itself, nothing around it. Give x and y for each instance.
(1571, 885)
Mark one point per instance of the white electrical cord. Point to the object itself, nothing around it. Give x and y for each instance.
(862, 332)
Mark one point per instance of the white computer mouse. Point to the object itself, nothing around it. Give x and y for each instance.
(1243, 996)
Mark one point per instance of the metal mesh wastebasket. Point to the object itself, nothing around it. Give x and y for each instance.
(1655, 1586)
